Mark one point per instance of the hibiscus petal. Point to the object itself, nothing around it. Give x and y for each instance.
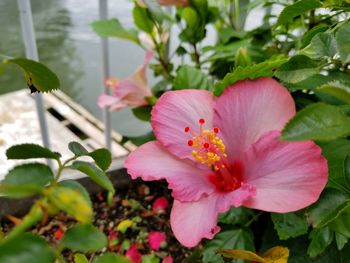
(176, 110)
(152, 161)
(113, 103)
(248, 109)
(287, 176)
(192, 221)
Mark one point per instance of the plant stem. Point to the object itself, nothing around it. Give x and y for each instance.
(237, 15)
(196, 55)
(253, 219)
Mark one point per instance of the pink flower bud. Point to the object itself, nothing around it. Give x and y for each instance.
(133, 254)
(160, 205)
(156, 240)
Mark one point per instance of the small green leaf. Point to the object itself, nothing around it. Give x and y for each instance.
(113, 28)
(150, 259)
(143, 113)
(231, 239)
(337, 90)
(94, 173)
(328, 207)
(77, 149)
(80, 258)
(236, 215)
(341, 224)
(189, 14)
(290, 224)
(84, 238)
(340, 240)
(139, 140)
(263, 69)
(157, 12)
(74, 185)
(26, 248)
(338, 169)
(26, 180)
(297, 9)
(38, 76)
(102, 158)
(110, 258)
(142, 19)
(29, 151)
(307, 37)
(320, 240)
(343, 42)
(188, 77)
(322, 45)
(297, 69)
(318, 121)
(71, 201)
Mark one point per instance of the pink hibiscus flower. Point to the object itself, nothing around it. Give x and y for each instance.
(221, 152)
(131, 91)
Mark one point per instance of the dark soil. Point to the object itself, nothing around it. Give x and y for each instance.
(134, 203)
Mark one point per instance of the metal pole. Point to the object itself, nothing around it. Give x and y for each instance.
(28, 35)
(103, 10)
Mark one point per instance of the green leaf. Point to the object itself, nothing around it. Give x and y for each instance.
(290, 224)
(307, 37)
(327, 208)
(110, 258)
(297, 69)
(113, 28)
(74, 185)
(80, 258)
(263, 69)
(38, 76)
(322, 45)
(232, 239)
(26, 180)
(84, 238)
(343, 42)
(77, 149)
(337, 90)
(150, 259)
(26, 248)
(157, 12)
(189, 14)
(143, 113)
(29, 151)
(102, 157)
(320, 240)
(188, 77)
(71, 201)
(297, 9)
(318, 121)
(341, 224)
(142, 19)
(340, 240)
(139, 140)
(236, 215)
(97, 175)
(336, 153)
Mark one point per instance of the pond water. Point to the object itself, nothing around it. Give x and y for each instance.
(67, 44)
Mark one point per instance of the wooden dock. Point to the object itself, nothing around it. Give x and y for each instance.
(67, 121)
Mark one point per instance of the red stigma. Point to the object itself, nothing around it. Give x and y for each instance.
(187, 129)
(216, 130)
(201, 121)
(206, 145)
(190, 143)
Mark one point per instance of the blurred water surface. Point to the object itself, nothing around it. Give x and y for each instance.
(70, 48)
